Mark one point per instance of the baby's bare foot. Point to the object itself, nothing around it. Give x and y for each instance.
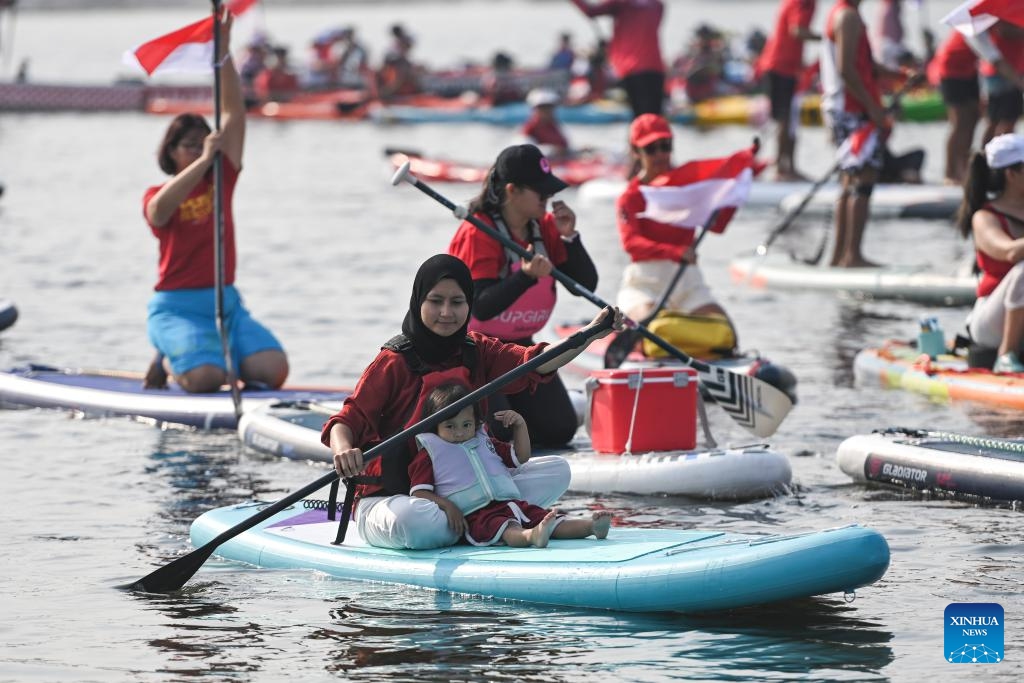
(602, 522)
(541, 534)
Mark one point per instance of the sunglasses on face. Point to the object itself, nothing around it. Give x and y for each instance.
(658, 146)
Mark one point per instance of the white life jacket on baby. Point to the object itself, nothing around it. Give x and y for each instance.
(470, 474)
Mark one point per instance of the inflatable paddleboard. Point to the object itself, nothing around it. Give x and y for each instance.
(919, 284)
(98, 393)
(637, 570)
(572, 171)
(900, 365)
(292, 430)
(933, 202)
(887, 201)
(937, 461)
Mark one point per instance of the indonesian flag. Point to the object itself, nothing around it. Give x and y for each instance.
(187, 50)
(687, 196)
(858, 147)
(977, 16)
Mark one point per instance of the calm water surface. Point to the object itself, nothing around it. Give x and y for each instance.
(328, 249)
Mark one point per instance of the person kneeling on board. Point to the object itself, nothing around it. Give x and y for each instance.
(992, 212)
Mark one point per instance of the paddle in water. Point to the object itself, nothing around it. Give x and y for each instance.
(753, 403)
(176, 573)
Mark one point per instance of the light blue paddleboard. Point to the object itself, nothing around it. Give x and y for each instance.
(651, 570)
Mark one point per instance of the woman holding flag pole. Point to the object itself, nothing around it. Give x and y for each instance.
(658, 214)
(197, 321)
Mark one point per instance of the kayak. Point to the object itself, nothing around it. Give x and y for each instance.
(292, 430)
(98, 393)
(435, 110)
(900, 365)
(937, 461)
(920, 284)
(636, 570)
(348, 104)
(573, 171)
(8, 313)
(889, 200)
(893, 200)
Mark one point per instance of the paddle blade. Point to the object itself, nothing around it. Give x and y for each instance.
(754, 404)
(174, 575)
(620, 347)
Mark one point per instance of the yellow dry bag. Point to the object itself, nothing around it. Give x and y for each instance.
(700, 336)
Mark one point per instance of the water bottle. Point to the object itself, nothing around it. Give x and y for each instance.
(930, 339)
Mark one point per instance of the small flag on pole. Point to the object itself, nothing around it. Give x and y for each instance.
(687, 196)
(187, 50)
(977, 16)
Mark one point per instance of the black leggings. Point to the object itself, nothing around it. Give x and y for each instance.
(646, 92)
(548, 412)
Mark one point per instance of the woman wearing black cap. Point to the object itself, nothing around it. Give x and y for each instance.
(435, 348)
(514, 297)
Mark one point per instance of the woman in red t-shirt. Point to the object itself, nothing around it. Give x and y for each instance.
(182, 321)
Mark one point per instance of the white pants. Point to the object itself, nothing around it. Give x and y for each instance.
(418, 523)
(988, 317)
(645, 281)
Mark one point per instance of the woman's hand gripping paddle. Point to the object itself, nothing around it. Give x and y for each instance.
(173, 575)
(754, 404)
(624, 342)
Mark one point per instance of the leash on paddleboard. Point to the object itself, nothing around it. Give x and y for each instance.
(173, 575)
(754, 404)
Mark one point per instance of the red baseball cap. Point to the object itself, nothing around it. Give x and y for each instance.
(648, 128)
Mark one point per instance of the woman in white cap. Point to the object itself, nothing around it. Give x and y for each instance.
(993, 213)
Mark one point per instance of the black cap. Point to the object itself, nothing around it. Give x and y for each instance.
(526, 165)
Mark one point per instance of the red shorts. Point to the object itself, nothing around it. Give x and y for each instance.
(486, 525)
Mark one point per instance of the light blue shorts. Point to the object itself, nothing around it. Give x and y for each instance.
(182, 325)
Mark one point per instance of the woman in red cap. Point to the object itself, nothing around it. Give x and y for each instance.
(654, 248)
(514, 297)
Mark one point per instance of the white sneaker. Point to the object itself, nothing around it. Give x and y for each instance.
(1008, 362)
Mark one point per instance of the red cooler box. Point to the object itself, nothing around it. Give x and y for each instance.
(664, 401)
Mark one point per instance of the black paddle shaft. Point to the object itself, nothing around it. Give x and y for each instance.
(175, 574)
(624, 341)
(571, 284)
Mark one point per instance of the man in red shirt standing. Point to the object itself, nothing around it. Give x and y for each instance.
(634, 51)
(781, 63)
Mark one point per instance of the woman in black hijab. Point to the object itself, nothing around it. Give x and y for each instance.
(434, 348)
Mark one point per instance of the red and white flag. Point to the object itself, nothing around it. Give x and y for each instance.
(977, 16)
(858, 147)
(189, 49)
(687, 196)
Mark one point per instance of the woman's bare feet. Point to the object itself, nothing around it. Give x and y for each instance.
(602, 523)
(541, 534)
(156, 374)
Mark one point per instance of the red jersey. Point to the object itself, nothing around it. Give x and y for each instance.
(486, 256)
(992, 269)
(645, 239)
(784, 52)
(834, 97)
(544, 132)
(387, 393)
(187, 239)
(271, 83)
(953, 59)
(634, 47)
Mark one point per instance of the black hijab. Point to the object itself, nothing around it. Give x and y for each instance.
(431, 347)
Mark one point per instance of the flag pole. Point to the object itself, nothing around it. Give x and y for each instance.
(218, 214)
